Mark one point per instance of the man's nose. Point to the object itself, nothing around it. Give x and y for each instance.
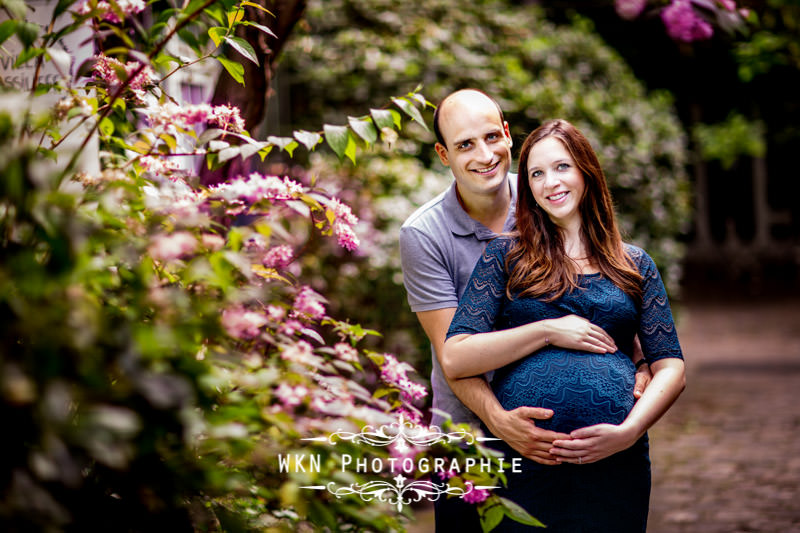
(485, 152)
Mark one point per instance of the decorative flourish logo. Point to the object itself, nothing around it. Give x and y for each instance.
(400, 435)
(399, 494)
(400, 431)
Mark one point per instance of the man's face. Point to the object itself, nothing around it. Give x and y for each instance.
(478, 149)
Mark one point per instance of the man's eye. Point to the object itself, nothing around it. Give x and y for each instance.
(463, 146)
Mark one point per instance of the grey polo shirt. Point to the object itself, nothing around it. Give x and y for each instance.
(439, 246)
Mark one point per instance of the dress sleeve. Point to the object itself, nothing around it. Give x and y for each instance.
(482, 301)
(657, 332)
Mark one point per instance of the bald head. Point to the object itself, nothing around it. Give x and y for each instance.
(460, 101)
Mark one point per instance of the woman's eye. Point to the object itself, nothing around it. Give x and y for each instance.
(536, 173)
(562, 166)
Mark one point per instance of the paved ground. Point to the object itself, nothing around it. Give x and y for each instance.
(726, 458)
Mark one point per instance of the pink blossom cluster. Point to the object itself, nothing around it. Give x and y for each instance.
(241, 323)
(158, 165)
(474, 495)
(291, 396)
(278, 256)
(308, 304)
(257, 187)
(105, 69)
(170, 114)
(299, 352)
(345, 352)
(629, 9)
(343, 223)
(173, 246)
(127, 7)
(393, 372)
(683, 23)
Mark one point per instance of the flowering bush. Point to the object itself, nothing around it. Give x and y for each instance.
(688, 20)
(163, 365)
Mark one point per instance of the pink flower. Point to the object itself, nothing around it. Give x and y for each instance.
(105, 69)
(343, 222)
(291, 396)
(474, 495)
(345, 352)
(278, 256)
(308, 303)
(158, 165)
(127, 7)
(730, 5)
(393, 372)
(290, 327)
(212, 241)
(683, 24)
(256, 187)
(276, 313)
(629, 9)
(241, 323)
(300, 352)
(227, 118)
(173, 246)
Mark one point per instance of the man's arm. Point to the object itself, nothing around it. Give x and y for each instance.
(517, 427)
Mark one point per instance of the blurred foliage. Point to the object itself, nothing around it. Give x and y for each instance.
(354, 51)
(729, 140)
(775, 42)
(159, 351)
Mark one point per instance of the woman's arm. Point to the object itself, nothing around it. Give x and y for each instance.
(593, 443)
(468, 355)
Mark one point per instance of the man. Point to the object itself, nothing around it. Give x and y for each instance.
(439, 246)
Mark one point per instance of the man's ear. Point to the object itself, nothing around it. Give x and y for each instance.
(442, 151)
(507, 134)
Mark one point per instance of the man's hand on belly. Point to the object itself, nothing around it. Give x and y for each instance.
(518, 429)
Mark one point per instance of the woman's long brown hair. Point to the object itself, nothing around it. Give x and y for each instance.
(537, 262)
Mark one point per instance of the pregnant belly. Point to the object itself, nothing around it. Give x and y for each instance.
(581, 388)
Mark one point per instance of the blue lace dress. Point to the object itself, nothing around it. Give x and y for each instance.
(581, 388)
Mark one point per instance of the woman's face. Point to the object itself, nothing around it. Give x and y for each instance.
(556, 182)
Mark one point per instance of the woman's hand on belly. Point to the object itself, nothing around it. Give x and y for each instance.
(593, 443)
(577, 333)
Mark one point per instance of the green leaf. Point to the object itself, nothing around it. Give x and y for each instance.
(235, 16)
(7, 29)
(244, 48)
(258, 6)
(28, 54)
(364, 129)
(214, 10)
(217, 34)
(409, 109)
(106, 127)
(228, 153)
(516, 512)
(492, 515)
(27, 32)
(309, 139)
(284, 143)
(382, 117)
(260, 27)
(350, 149)
(209, 135)
(15, 7)
(236, 70)
(336, 137)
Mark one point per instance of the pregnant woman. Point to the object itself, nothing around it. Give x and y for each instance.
(567, 259)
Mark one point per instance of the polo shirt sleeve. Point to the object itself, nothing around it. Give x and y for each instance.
(426, 276)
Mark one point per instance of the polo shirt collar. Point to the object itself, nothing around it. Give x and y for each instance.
(460, 223)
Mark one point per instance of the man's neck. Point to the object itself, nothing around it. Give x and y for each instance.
(490, 210)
